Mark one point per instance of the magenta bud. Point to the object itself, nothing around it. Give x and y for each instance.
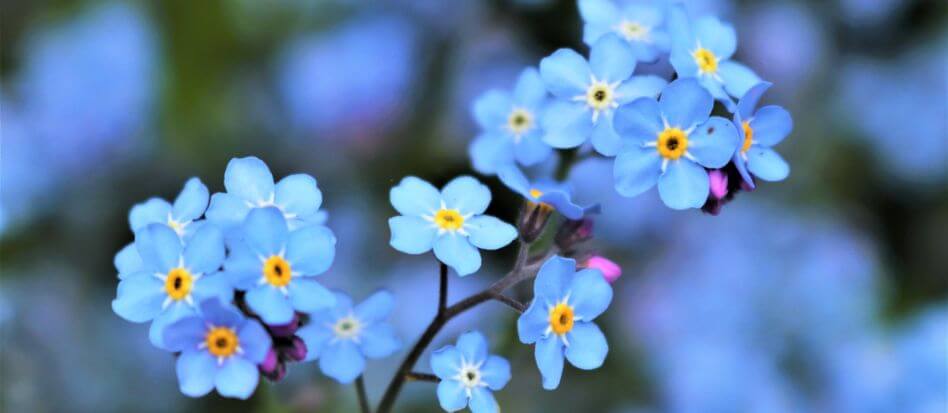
(285, 330)
(609, 269)
(296, 350)
(572, 233)
(270, 362)
(718, 181)
(278, 373)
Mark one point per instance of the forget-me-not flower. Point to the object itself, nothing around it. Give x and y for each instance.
(670, 142)
(560, 318)
(182, 216)
(450, 221)
(342, 337)
(219, 349)
(276, 266)
(172, 277)
(587, 93)
(510, 125)
(641, 24)
(546, 192)
(469, 374)
(760, 130)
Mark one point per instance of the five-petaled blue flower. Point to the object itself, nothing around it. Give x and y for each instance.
(469, 375)
(671, 141)
(182, 217)
(450, 222)
(219, 349)
(702, 49)
(171, 277)
(276, 266)
(510, 123)
(250, 185)
(641, 24)
(559, 320)
(589, 92)
(760, 131)
(547, 192)
(342, 337)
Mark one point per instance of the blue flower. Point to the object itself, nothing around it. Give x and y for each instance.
(469, 375)
(250, 185)
(588, 92)
(188, 207)
(451, 222)
(219, 349)
(560, 318)
(669, 142)
(276, 266)
(510, 125)
(171, 277)
(342, 337)
(759, 131)
(640, 24)
(546, 192)
(702, 49)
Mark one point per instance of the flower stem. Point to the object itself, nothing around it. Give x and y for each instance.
(416, 376)
(363, 399)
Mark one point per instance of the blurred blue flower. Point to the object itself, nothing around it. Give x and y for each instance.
(469, 374)
(587, 93)
(342, 337)
(670, 142)
(760, 130)
(786, 41)
(560, 318)
(546, 192)
(639, 23)
(510, 125)
(188, 207)
(249, 185)
(219, 349)
(172, 277)
(451, 222)
(276, 266)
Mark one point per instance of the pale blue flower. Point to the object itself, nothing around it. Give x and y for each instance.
(469, 375)
(640, 23)
(557, 195)
(182, 216)
(759, 131)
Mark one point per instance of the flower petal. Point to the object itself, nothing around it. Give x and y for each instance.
(684, 185)
(411, 234)
(639, 121)
(378, 341)
(451, 395)
(590, 294)
(496, 372)
(458, 253)
(604, 137)
(139, 297)
(636, 170)
(530, 90)
(265, 231)
(467, 195)
(255, 341)
(227, 210)
(482, 401)
(191, 202)
(214, 285)
(611, 59)
(342, 361)
(714, 142)
(204, 253)
(152, 211)
(445, 362)
(415, 197)
(531, 149)
(587, 346)
(553, 279)
(549, 357)
(716, 36)
(196, 371)
(767, 164)
(159, 247)
(243, 267)
(473, 347)
(237, 378)
(184, 334)
(127, 261)
(745, 107)
(309, 296)
(315, 336)
(270, 304)
(250, 179)
(647, 86)
(738, 79)
(178, 310)
(685, 103)
(566, 124)
(532, 324)
(491, 109)
(376, 307)
(513, 178)
(490, 152)
(565, 73)
(771, 124)
(298, 195)
(489, 233)
(311, 250)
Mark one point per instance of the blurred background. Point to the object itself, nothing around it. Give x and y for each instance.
(823, 293)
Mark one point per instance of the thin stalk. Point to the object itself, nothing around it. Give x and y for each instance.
(363, 399)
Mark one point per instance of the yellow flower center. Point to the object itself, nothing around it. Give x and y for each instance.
(277, 271)
(672, 143)
(449, 219)
(178, 283)
(519, 121)
(221, 341)
(535, 193)
(633, 30)
(599, 96)
(748, 136)
(561, 319)
(707, 61)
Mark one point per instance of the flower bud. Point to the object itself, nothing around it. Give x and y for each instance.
(572, 233)
(270, 362)
(718, 180)
(533, 220)
(610, 270)
(296, 350)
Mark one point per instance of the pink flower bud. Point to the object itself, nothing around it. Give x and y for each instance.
(718, 181)
(610, 270)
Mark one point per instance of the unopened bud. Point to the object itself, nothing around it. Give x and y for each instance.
(533, 220)
(574, 232)
(296, 350)
(609, 269)
(718, 180)
(286, 330)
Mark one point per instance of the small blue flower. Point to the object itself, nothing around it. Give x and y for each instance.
(219, 349)
(759, 132)
(559, 320)
(250, 185)
(469, 375)
(182, 216)
(170, 277)
(510, 124)
(451, 222)
(588, 93)
(670, 142)
(546, 192)
(276, 266)
(342, 337)
(702, 49)
(640, 24)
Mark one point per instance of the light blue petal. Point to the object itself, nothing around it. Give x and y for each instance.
(745, 107)
(684, 185)
(647, 86)
(766, 164)
(566, 124)
(482, 401)
(553, 279)
(205, 251)
(139, 297)
(237, 378)
(639, 121)
(636, 170)
(598, 12)
(590, 294)
(152, 211)
(490, 152)
(315, 336)
(177, 311)
(191, 202)
(646, 13)
(185, 334)
(254, 341)
(451, 395)
(415, 197)
(565, 73)
(489, 233)
(714, 142)
(530, 90)
(496, 372)
(375, 308)
(685, 103)
(196, 371)
(243, 267)
(467, 195)
(738, 79)
(159, 247)
(771, 124)
(214, 285)
(379, 341)
(265, 231)
(342, 361)
(311, 250)
(611, 59)
(445, 362)
(594, 31)
(227, 210)
(562, 202)
(532, 324)
(249, 179)
(343, 306)
(491, 109)
(270, 304)
(309, 296)
(298, 195)
(411, 235)
(221, 313)
(716, 36)
(458, 253)
(604, 138)
(513, 178)
(531, 149)
(741, 166)
(716, 89)
(127, 261)
(587, 346)
(473, 347)
(549, 357)
(683, 62)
